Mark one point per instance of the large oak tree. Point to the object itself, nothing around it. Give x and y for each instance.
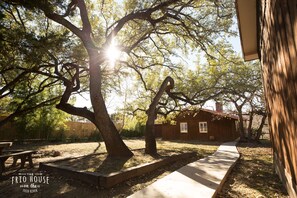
(148, 34)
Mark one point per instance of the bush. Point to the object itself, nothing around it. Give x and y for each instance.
(73, 138)
(41, 123)
(131, 133)
(58, 136)
(138, 131)
(95, 136)
(133, 128)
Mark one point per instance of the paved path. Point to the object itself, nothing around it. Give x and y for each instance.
(202, 178)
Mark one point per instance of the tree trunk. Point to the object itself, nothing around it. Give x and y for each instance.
(249, 129)
(150, 140)
(115, 146)
(240, 123)
(241, 128)
(259, 130)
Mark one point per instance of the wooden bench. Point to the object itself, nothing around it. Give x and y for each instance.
(23, 155)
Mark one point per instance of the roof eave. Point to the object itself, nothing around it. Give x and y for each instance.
(247, 24)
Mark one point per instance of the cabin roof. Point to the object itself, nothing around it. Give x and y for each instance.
(217, 114)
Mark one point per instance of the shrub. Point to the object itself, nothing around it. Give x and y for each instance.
(58, 136)
(73, 138)
(138, 131)
(133, 128)
(95, 136)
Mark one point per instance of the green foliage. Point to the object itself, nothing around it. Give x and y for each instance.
(73, 138)
(133, 128)
(133, 133)
(95, 136)
(41, 124)
(29, 41)
(58, 136)
(24, 55)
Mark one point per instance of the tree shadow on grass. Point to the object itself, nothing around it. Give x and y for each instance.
(112, 164)
(255, 144)
(263, 178)
(254, 170)
(115, 164)
(97, 148)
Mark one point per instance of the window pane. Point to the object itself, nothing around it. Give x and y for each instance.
(184, 127)
(203, 127)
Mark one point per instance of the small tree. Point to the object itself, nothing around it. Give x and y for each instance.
(238, 82)
(257, 107)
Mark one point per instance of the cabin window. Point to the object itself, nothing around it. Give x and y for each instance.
(184, 127)
(203, 127)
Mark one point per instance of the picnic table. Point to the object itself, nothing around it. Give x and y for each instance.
(4, 145)
(25, 156)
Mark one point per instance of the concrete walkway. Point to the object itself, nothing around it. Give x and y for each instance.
(202, 178)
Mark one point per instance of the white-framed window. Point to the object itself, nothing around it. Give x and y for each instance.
(184, 127)
(203, 127)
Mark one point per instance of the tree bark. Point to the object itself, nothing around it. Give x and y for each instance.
(150, 140)
(100, 117)
(241, 127)
(259, 130)
(241, 120)
(249, 129)
(115, 146)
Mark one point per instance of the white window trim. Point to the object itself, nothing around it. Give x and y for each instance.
(202, 128)
(183, 127)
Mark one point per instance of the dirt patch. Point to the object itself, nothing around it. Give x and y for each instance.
(101, 163)
(55, 151)
(253, 175)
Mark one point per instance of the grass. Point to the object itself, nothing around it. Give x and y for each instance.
(253, 175)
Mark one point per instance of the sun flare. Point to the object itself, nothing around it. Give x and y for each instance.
(113, 53)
